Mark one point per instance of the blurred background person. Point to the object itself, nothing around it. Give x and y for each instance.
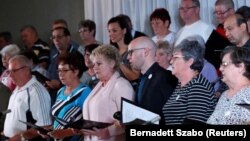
(36, 68)
(189, 11)
(105, 99)
(192, 101)
(8, 52)
(5, 39)
(222, 10)
(164, 54)
(237, 30)
(88, 77)
(160, 22)
(134, 33)
(120, 37)
(235, 70)
(87, 31)
(31, 41)
(244, 11)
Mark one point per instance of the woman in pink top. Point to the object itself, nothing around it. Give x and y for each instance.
(105, 99)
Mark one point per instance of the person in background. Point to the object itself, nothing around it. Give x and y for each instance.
(105, 99)
(32, 42)
(160, 22)
(8, 52)
(244, 11)
(70, 97)
(190, 14)
(156, 84)
(120, 37)
(87, 31)
(5, 39)
(235, 70)
(193, 100)
(237, 30)
(164, 54)
(29, 102)
(62, 23)
(222, 10)
(35, 66)
(134, 33)
(88, 77)
(62, 40)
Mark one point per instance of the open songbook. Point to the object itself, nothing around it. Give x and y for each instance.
(132, 114)
(81, 124)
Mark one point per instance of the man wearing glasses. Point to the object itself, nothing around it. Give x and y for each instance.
(62, 40)
(155, 83)
(190, 15)
(223, 9)
(29, 96)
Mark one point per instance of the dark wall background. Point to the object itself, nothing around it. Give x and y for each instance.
(40, 13)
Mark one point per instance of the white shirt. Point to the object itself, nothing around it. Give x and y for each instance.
(40, 106)
(198, 28)
(169, 37)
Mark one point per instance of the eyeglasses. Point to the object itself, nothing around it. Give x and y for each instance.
(82, 30)
(130, 52)
(221, 13)
(63, 70)
(225, 64)
(57, 37)
(15, 70)
(176, 57)
(186, 8)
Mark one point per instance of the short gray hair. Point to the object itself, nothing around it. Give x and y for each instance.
(11, 50)
(191, 49)
(22, 60)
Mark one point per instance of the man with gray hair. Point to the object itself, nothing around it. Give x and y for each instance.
(29, 102)
(190, 14)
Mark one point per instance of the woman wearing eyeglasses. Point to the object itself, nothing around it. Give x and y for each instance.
(192, 101)
(70, 98)
(235, 70)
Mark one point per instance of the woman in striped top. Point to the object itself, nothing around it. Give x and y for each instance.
(193, 98)
(70, 98)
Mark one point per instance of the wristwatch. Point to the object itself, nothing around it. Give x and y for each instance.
(22, 138)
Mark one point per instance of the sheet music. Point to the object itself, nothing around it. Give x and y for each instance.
(131, 112)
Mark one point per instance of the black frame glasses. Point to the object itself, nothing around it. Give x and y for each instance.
(222, 13)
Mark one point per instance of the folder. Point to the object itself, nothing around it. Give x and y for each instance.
(132, 114)
(81, 124)
(39, 128)
(244, 105)
(41, 78)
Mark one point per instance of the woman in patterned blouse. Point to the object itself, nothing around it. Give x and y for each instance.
(235, 68)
